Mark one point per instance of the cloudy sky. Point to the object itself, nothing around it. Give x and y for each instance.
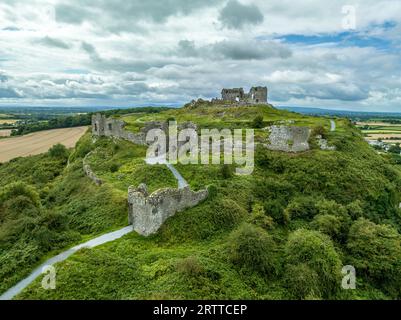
(136, 52)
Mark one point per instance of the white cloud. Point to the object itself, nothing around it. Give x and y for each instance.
(135, 52)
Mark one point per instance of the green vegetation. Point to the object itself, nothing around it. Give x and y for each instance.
(284, 232)
(28, 126)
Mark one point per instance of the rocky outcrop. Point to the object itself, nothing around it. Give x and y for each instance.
(288, 138)
(323, 144)
(147, 212)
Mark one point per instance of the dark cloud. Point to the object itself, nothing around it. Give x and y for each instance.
(122, 15)
(250, 50)
(236, 15)
(55, 43)
(235, 50)
(70, 13)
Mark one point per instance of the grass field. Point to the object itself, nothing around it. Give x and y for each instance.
(380, 130)
(38, 142)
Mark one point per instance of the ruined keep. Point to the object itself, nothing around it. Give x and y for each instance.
(147, 212)
(255, 95)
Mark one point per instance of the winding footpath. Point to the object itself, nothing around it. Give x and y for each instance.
(333, 126)
(182, 183)
(108, 237)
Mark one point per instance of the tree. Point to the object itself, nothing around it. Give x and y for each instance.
(59, 151)
(251, 248)
(316, 250)
(375, 250)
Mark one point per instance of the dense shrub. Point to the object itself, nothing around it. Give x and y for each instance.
(302, 207)
(226, 171)
(319, 131)
(328, 224)
(189, 266)
(301, 281)
(316, 251)
(375, 250)
(59, 151)
(252, 249)
(19, 189)
(260, 218)
(257, 123)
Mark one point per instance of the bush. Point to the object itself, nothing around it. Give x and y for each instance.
(59, 151)
(257, 123)
(252, 249)
(189, 266)
(114, 167)
(316, 251)
(212, 191)
(328, 224)
(375, 250)
(301, 281)
(19, 189)
(319, 131)
(302, 208)
(226, 171)
(259, 217)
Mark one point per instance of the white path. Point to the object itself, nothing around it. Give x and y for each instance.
(333, 125)
(108, 237)
(11, 293)
(182, 183)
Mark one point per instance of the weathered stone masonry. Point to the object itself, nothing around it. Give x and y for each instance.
(289, 138)
(88, 171)
(147, 212)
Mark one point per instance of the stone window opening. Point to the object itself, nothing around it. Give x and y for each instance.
(95, 126)
(110, 126)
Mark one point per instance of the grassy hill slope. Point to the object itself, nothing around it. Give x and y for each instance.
(284, 232)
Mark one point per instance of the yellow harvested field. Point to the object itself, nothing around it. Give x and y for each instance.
(5, 133)
(38, 142)
(9, 121)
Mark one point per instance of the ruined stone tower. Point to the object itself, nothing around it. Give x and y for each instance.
(255, 95)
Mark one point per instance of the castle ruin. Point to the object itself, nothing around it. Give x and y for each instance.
(237, 95)
(147, 212)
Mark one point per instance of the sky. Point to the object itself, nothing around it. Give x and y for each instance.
(337, 55)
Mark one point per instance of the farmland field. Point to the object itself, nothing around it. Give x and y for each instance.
(5, 133)
(381, 130)
(38, 142)
(9, 121)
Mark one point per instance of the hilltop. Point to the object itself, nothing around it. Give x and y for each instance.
(284, 232)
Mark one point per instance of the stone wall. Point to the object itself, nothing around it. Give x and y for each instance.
(88, 171)
(147, 212)
(288, 138)
(109, 127)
